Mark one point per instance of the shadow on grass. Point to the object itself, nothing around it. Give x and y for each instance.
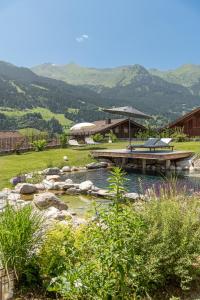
(89, 148)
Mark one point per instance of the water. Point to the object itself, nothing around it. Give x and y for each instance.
(137, 182)
(136, 179)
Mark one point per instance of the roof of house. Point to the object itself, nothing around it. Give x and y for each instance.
(9, 134)
(102, 126)
(183, 118)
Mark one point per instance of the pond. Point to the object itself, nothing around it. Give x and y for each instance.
(137, 182)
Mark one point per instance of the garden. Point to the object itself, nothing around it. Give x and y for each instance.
(130, 250)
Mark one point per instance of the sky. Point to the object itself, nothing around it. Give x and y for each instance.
(161, 34)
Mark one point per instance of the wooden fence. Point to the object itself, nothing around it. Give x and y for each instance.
(23, 144)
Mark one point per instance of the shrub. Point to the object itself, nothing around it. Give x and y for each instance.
(20, 237)
(63, 140)
(57, 252)
(39, 145)
(111, 136)
(98, 138)
(130, 250)
(178, 135)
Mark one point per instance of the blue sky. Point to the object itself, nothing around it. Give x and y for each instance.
(100, 33)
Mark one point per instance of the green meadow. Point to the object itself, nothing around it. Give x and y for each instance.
(12, 165)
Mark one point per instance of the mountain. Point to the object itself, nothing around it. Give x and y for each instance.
(156, 92)
(187, 75)
(20, 88)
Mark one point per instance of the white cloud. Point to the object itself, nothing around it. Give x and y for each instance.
(82, 38)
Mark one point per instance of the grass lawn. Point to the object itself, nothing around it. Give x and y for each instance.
(11, 165)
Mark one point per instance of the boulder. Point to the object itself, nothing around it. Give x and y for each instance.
(49, 185)
(102, 193)
(53, 177)
(66, 169)
(73, 190)
(25, 188)
(186, 164)
(14, 197)
(40, 186)
(47, 199)
(74, 169)
(133, 196)
(52, 171)
(3, 195)
(86, 186)
(69, 181)
(51, 212)
(97, 165)
(61, 185)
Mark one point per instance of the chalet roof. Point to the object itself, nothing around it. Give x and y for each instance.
(10, 134)
(102, 126)
(183, 118)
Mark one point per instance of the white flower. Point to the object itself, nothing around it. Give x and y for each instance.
(78, 283)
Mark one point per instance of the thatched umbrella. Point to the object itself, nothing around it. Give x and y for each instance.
(129, 112)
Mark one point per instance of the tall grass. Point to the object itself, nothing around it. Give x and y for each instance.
(21, 234)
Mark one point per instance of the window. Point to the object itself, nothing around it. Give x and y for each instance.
(116, 129)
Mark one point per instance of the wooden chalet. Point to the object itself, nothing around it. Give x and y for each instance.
(120, 127)
(190, 123)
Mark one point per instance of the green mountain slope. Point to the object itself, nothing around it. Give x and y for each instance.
(152, 91)
(186, 75)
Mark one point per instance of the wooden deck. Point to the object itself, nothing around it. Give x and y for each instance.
(123, 155)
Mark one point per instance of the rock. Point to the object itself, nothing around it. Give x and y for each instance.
(66, 169)
(25, 188)
(73, 191)
(102, 193)
(187, 164)
(51, 212)
(53, 177)
(69, 181)
(40, 186)
(97, 165)
(14, 197)
(47, 199)
(49, 185)
(86, 186)
(3, 195)
(65, 158)
(133, 196)
(62, 215)
(74, 169)
(62, 185)
(51, 171)
(172, 168)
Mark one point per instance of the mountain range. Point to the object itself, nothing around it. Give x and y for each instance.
(168, 93)
(80, 92)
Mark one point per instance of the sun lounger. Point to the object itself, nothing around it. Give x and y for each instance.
(153, 144)
(90, 141)
(74, 143)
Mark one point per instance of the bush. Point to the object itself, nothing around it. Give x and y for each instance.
(39, 145)
(178, 135)
(20, 237)
(63, 140)
(111, 136)
(57, 252)
(98, 138)
(129, 251)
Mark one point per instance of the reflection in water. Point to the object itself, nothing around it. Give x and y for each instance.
(136, 179)
(138, 182)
